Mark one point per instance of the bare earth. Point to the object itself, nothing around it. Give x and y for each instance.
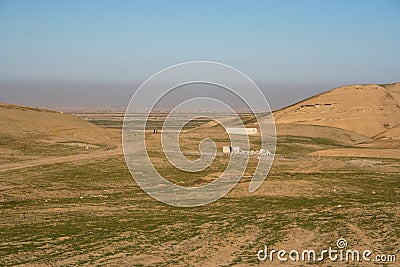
(67, 198)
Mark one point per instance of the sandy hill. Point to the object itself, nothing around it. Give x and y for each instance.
(371, 110)
(19, 123)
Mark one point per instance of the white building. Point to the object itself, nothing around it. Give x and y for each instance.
(245, 131)
(226, 149)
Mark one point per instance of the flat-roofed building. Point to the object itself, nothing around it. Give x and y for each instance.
(244, 131)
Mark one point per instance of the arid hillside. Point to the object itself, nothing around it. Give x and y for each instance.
(31, 134)
(371, 110)
(46, 125)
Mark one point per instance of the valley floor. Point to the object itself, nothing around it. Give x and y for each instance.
(84, 208)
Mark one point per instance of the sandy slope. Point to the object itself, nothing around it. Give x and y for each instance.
(364, 116)
(32, 137)
(393, 133)
(370, 110)
(18, 122)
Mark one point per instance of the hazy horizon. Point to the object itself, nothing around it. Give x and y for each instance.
(96, 53)
(79, 95)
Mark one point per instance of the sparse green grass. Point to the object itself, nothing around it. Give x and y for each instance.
(93, 213)
(186, 178)
(300, 145)
(46, 149)
(128, 221)
(30, 146)
(117, 124)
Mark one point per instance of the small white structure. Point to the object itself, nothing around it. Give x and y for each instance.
(245, 131)
(231, 149)
(226, 149)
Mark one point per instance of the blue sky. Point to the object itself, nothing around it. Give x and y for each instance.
(292, 48)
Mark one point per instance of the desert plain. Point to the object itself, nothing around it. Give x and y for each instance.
(67, 197)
